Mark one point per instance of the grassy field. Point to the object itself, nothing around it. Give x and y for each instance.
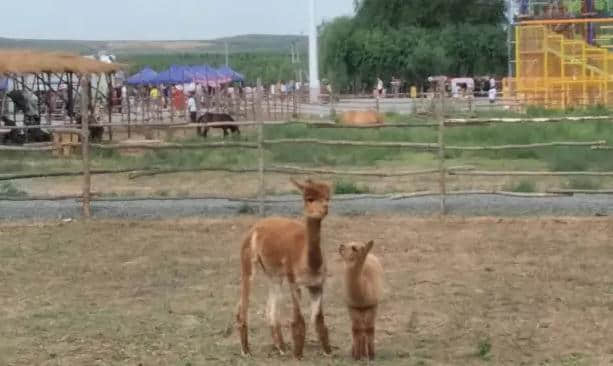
(554, 159)
(458, 292)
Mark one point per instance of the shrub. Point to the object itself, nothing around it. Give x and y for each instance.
(8, 189)
(347, 187)
(524, 186)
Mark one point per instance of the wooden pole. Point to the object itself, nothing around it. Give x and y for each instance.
(268, 96)
(377, 103)
(129, 112)
(261, 191)
(109, 83)
(70, 106)
(441, 150)
(85, 146)
(49, 93)
(171, 100)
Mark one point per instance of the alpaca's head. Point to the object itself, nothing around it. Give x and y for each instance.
(354, 253)
(316, 197)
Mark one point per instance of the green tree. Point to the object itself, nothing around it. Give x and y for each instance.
(414, 39)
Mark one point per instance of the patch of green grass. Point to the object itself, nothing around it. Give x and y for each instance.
(484, 349)
(524, 186)
(245, 209)
(347, 187)
(309, 155)
(9, 189)
(574, 359)
(162, 193)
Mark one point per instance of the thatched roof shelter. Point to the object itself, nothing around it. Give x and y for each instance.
(31, 62)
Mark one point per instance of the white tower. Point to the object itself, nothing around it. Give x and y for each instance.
(313, 56)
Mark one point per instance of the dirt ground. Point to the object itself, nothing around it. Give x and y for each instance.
(458, 292)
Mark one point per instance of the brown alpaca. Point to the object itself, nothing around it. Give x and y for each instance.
(363, 288)
(361, 118)
(288, 249)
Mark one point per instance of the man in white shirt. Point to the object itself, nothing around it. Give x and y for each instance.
(191, 107)
(379, 87)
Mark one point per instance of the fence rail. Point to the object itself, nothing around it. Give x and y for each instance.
(262, 144)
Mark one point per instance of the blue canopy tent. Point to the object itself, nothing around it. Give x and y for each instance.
(207, 75)
(4, 84)
(227, 72)
(143, 77)
(176, 74)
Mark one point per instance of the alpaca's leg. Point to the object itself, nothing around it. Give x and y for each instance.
(317, 318)
(356, 333)
(274, 315)
(243, 305)
(370, 317)
(359, 349)
(298, 326)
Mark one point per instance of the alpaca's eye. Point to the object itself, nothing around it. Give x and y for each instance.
(310, 200)
(354, 249)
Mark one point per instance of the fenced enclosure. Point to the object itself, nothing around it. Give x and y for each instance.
(268, 143)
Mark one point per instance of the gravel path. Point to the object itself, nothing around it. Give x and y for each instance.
(478, 205)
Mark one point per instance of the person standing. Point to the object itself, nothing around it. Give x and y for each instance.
(192, 108)
(154, 96)
(492, 93)
(379, 87)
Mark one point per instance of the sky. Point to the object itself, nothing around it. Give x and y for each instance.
(159, 19)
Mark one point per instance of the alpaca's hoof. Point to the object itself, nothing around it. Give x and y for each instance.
(281, 350)
(246, 353)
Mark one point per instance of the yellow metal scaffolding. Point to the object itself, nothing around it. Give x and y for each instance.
(556, 67)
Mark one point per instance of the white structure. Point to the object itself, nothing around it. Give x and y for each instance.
(313, 56)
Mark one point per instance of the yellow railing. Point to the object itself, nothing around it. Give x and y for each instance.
(556, 68)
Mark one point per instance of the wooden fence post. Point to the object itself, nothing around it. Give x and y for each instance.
(259, 119)
(85, 146)
(109, 81)
(441, 150)
(129, 112)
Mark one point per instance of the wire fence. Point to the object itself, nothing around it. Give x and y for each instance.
(262, 145)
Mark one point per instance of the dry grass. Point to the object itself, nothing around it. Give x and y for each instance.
(458, 292)
(227, 184)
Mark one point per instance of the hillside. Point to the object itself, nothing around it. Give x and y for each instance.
(238, 44)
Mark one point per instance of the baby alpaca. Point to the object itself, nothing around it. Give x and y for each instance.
(363, 288)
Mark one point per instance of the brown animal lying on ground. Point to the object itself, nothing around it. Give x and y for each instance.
(361, 118)
(217, 117)
(363, 289)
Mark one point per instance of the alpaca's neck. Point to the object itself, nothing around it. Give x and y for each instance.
(353, 283)
(353, 275)
(313, 239)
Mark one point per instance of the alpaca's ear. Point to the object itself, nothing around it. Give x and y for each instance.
(368, 247)
(296, 184)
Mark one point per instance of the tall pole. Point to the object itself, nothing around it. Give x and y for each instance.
(227, 56)
(510, 17)
(313, 56)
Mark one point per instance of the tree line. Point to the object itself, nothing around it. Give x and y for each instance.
(414, 39)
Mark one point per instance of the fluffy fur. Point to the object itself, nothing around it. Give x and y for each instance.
(361, 118)
(363, 290)
(285, 249)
